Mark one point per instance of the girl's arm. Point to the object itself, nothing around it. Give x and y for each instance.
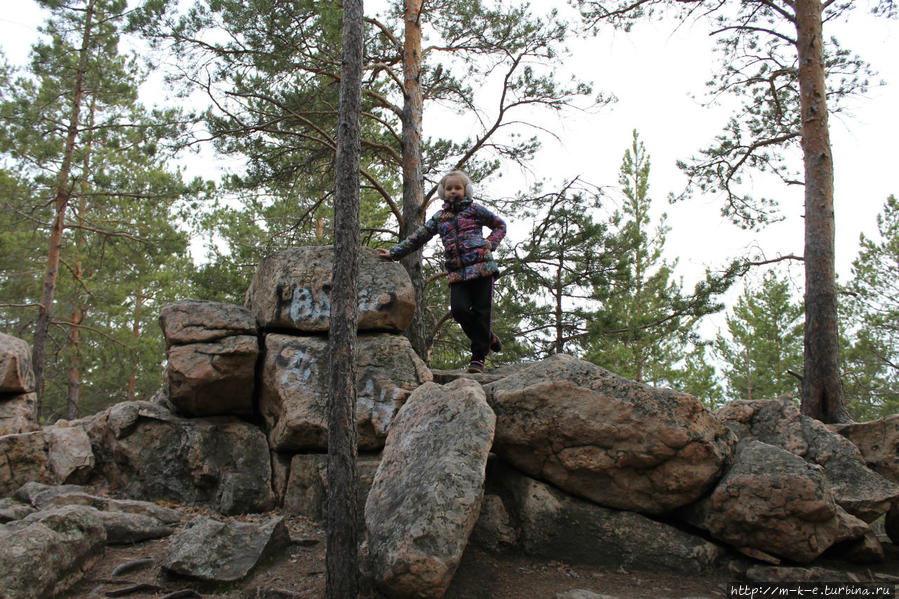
(420, 237)
(495, 223)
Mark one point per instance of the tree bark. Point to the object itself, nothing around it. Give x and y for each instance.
(61, 202)
(822, 394)
(413, 181)
(343, 536)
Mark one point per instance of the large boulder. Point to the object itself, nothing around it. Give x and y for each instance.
(773, 501)
(212, 379)
(558, 526)
(200, 321)
(16, 373)
(858, 489)
(146, 452)
(878, 442)
(291, 290)
(47, 552)
(24, 457)
(427, 492)
(294, 395)
(17, 413)
(215, 551)
(601, 437)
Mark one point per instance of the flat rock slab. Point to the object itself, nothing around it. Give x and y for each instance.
(16, 372)
(201, 321)
(211, 550)
(601, 437)
(294, 395)
(878, 442)
(427, 492)
(291, 291)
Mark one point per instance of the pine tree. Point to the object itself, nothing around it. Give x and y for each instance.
(763, 349)
(871, 366)
(99, 202)
(643, 325)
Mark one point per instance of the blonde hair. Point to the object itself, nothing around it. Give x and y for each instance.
(469, 186)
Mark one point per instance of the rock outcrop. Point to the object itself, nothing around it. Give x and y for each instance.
(147, 452)
(609, 440)
(773, 501)
(859, 490)
(294, 396)
(291, 291)
(878, 442)
(427, 492)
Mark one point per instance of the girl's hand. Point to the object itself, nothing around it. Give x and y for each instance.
(384, 254)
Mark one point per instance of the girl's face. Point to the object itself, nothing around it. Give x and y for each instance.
(454, 188)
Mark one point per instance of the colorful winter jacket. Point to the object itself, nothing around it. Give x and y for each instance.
(467, 255)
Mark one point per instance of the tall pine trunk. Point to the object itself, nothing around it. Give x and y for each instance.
(413, 181)
(61, 202)
(822, 394)
(343, 535)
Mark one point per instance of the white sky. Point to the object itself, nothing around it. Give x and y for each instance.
(655, 73)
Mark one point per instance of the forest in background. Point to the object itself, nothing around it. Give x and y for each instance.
(89, 168)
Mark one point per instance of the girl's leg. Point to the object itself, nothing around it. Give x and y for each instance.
(470, 303)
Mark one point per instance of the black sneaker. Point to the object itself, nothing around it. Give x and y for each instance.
(476, 366)
(496, 346)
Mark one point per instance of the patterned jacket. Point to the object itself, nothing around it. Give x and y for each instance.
(467, 255)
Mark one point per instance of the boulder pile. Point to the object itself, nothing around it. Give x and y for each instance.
(558, 458)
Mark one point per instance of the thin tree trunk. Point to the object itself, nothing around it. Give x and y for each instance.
(135, 331)
(343, 535)
(61, 202)
(822, 393)
(73, 387)
(413, 181)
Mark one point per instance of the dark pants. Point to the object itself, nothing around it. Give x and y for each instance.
(470, 304)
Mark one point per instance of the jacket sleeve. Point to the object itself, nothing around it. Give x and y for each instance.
(495, 223)
(420, 237)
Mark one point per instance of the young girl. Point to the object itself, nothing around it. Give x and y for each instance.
(468, 260)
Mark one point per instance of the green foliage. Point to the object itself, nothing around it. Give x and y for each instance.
(764, 342)
(645, 320)
(871, 313)
(122, 254)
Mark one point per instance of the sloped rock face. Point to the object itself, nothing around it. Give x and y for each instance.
(601, 437)
(427, 492)
(859, 490)
(46, 552)
(878, 442)
(557, 526)
(774, 501)
(291, 290)
(200, 321)
(16, 372)
(294, 394)
(217, 551)
(146, 452)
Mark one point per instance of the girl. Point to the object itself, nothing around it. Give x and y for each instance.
(468, 260)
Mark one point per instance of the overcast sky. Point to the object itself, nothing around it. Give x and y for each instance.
(658, 76)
